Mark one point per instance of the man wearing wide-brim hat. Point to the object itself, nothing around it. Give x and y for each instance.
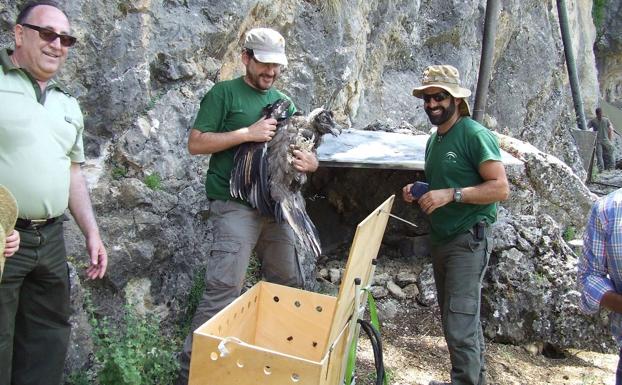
(466, 179)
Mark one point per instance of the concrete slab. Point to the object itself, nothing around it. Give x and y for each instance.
(379, 149)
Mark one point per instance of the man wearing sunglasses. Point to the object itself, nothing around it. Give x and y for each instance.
(41, 150)
(231, 114)
(466, 180)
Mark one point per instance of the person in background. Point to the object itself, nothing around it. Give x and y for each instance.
(41, 150)
(466, 180)
(600, 264)
(604, 141)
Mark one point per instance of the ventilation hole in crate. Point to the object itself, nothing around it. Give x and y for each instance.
(255, 300)
(249, 305)
(240, 364)
(297, 303)
(242, 310)
(295, 377)
(213, 356)
(290, 338)
(235, 315)
(267, 370)
(276, 299)
(319, 309)
(314, 344)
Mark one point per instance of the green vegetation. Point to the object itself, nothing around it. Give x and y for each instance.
(118, 173)
(194, 297)
(253, 272)
(570, 233)
(153, 181)
(134, 353)
(599, 8)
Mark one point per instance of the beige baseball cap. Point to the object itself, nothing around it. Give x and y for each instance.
(448, 78)
(267, 44)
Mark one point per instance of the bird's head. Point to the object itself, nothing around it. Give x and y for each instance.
(323, 122)
(277, 110)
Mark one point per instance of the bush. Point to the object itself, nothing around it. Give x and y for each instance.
(136, 353)
(153, 181)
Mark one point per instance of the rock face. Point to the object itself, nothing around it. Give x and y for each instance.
(608, 50)
(141, 67)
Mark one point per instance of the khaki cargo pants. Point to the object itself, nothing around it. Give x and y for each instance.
(459, 267)
(238, 230)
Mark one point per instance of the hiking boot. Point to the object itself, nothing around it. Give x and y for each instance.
(434, 382)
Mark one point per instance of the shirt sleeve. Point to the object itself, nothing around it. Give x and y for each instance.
(484, 147)
(77, 120)
(592, 269)
(211, 115)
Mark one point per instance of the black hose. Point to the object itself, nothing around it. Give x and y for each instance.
(376, 344)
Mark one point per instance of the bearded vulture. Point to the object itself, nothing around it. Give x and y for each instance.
(263, 174)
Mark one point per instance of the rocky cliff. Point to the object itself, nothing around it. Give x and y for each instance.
(141, 68)
(608, 50)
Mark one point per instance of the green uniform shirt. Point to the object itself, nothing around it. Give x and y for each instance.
(453, 160)
(602, 129)
(228, 106)
(40, 136)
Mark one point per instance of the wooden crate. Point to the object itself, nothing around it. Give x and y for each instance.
(277, 335)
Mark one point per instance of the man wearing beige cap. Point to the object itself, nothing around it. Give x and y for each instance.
(231, 114)
(466, 180)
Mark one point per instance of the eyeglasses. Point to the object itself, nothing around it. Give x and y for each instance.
(49, 35)
(438, 97)
(251, 55)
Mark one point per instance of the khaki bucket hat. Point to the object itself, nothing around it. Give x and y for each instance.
(448, 78)
(8, 216)
(267, 44)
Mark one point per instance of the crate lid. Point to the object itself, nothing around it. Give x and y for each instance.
(363, 252)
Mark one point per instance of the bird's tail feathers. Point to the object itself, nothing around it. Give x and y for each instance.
(292, 209)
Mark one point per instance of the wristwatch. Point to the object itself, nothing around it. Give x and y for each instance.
(458, 195)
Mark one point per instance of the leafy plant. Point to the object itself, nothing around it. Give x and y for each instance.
(135, 353)
(194, 297)
(153, 181)
(118, 173)
(569, 234)
(253, 271)
(599, 8)
(78, 378)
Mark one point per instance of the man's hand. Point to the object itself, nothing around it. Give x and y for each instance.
(406, 195)
(305, 161)
(99, 258)
(434, 199)
(262, 130)
(12, 244)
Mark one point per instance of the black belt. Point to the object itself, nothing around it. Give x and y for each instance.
(33, 224)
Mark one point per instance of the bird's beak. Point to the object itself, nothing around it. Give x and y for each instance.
(336, 130)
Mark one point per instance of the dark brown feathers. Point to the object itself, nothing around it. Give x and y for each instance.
(263, 174)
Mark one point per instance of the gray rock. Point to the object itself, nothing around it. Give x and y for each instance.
(379, 292)
(411, 291)
(395, 290)
(405, 278)
(427, 290)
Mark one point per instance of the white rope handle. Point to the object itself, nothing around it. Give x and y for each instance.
(222, 346)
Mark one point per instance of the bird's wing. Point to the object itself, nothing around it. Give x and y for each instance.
(249, 180)
(292, 208)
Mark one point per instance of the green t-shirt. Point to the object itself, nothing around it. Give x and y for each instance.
(602, 129)
(228, 106)
(453, 160)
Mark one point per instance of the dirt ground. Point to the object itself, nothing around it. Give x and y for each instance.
(415, 353)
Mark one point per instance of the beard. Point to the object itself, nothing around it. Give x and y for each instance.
(446, 114)
(260, 81)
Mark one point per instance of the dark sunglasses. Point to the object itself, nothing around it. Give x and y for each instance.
(438, 97)
(49, 35)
